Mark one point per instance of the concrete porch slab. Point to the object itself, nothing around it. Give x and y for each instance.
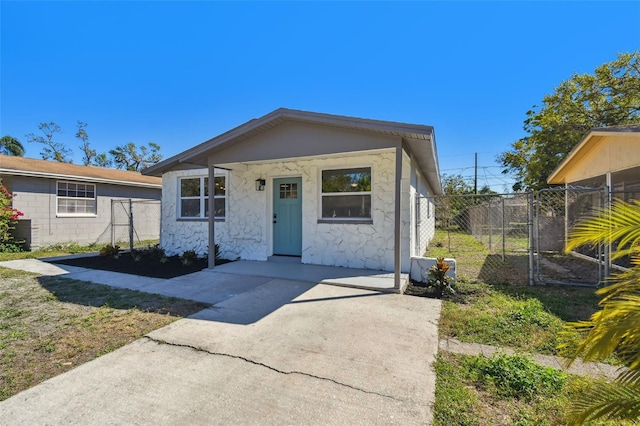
(347, 277)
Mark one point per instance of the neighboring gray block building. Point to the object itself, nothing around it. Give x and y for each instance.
(70, 203)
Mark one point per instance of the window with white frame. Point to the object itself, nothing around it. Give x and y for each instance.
(194, 197)
(76, 199)
(346, 194)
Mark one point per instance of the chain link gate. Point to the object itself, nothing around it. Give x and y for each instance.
(135, 221)
(558, 210)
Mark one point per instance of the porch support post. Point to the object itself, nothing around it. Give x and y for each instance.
(210, 201)
(607, 202)
(397, 229)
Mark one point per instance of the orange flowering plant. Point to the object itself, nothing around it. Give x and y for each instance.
(438, 278)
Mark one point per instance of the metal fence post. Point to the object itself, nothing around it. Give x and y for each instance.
(130, 224)
(531, 240)
(113, 226)
(504, 233)
(607, 247)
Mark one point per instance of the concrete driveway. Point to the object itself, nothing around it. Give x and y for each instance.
(284, 352)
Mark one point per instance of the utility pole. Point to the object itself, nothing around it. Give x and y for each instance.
(475, 177)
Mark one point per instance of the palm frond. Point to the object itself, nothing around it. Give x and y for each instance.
(629, 378)
(612, 401)
(619, 224)
(613, 329)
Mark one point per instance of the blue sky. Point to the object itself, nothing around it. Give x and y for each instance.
(179, 73)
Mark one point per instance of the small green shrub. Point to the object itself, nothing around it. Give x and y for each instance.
(189, 257)
(517, 376)
(157, 253)
(110, 251)
(530, 311)
(11, 247)
(136, 255)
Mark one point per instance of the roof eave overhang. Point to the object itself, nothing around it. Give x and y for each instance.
(426, 157)
(199, 154)
(78, 178)
(558, 176)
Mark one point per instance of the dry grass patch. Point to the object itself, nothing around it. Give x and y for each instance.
(48, 325)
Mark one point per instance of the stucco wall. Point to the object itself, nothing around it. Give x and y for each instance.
(422, 220)
(247, 230)
(36, 198)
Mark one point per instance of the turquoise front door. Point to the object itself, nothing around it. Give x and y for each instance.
(287, 216)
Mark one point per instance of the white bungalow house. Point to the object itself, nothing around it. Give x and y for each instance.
(328, 189)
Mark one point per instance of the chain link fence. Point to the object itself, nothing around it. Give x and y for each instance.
(557, 213)
(488, 235)
(134, 222)
(520, 238)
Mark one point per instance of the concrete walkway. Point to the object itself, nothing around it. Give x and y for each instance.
(268, 351)
(592, 369)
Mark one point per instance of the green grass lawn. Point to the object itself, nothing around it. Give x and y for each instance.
(477, 391)
(506, 313)
(525, 318)
(64, 249)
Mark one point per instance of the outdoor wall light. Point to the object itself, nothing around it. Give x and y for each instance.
(260, 184)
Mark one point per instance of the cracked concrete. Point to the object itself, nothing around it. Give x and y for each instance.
(250, 361)
(284, 352)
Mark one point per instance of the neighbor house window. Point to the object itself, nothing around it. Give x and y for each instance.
(194, 198)
(346, 193)
(76, 198)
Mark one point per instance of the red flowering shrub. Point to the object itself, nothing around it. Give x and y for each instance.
(8, 217)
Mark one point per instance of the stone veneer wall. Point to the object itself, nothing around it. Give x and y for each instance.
(247, 230)
(177, 236)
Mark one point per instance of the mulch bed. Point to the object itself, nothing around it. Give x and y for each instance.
(421, 290)
(173, 267)
(424, 290)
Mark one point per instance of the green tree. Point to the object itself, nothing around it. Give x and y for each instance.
(11, 146)
(89, 155)
(129, 157)
(102, 160)
(457, 185)
(610, 96)
(53, 150)
(615, 328)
